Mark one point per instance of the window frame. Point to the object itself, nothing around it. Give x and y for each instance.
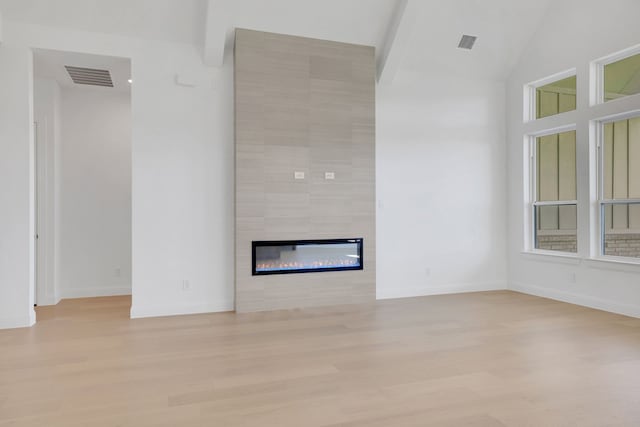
(531, 224)
(530, 98)
(601, 202)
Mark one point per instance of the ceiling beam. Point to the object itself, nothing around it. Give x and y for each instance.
(397, 39)
(215, 33)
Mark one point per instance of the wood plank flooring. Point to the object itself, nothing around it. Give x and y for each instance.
(478, 359)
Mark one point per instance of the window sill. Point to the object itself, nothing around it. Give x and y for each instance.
(618, 264)
(603, 263)
(551, 256)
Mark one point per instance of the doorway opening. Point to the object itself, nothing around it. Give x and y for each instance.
(82, 133)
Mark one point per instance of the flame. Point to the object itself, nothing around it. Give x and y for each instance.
(297, 265)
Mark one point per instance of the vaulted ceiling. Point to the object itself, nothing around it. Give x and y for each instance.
(172, 20)
(429, 33)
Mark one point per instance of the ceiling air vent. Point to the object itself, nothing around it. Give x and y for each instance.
(466, 42)
(89, 76)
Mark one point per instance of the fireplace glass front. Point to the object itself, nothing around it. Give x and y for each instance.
(306, 256)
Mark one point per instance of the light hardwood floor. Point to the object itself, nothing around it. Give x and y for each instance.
(480, 359)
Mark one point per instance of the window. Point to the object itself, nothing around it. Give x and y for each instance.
(616, 76)
(620, 188)
(622, 78)
(609, 168)
(554, 193)
(556, 97)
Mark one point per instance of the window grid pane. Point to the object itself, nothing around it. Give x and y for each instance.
(556, 167)
(556, 97)
(620, 234)
(555, 224)
(622, 78)
(556, 228)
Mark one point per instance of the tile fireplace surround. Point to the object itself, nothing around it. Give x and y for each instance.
(305, 162)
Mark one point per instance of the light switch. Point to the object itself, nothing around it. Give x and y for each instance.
(329, 175)
(298, 175)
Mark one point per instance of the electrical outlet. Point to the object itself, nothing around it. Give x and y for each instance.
(186, 285)
(572, 277)
(118, 272)
(427, 272)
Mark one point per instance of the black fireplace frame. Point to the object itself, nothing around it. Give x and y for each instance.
(259, 243)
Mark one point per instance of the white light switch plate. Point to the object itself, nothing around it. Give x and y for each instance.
(298, 175)
(329, 175)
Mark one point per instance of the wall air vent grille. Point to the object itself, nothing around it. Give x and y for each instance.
(89, 76)
(467, 42)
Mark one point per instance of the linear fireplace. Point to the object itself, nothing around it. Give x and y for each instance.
(306, 256)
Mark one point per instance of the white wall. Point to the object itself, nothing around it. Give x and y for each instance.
(16, 187)
(441, 182)
(182, 185)
(95, 193)
(46, 106)
(182, 168)
(573, 33)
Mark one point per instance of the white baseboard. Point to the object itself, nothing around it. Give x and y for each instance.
(18, 322)
(105, 291)
(48, 301)
(454, 288)
(138, 311)
(632, 310)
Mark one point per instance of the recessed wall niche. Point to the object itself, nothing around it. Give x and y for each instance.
(303, 105)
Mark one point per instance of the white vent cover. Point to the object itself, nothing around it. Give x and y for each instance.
(89, 76)
(466, 42)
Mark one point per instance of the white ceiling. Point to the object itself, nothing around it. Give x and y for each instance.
(351, 21)
(503, 27)
(170, 20)
(50, 64)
